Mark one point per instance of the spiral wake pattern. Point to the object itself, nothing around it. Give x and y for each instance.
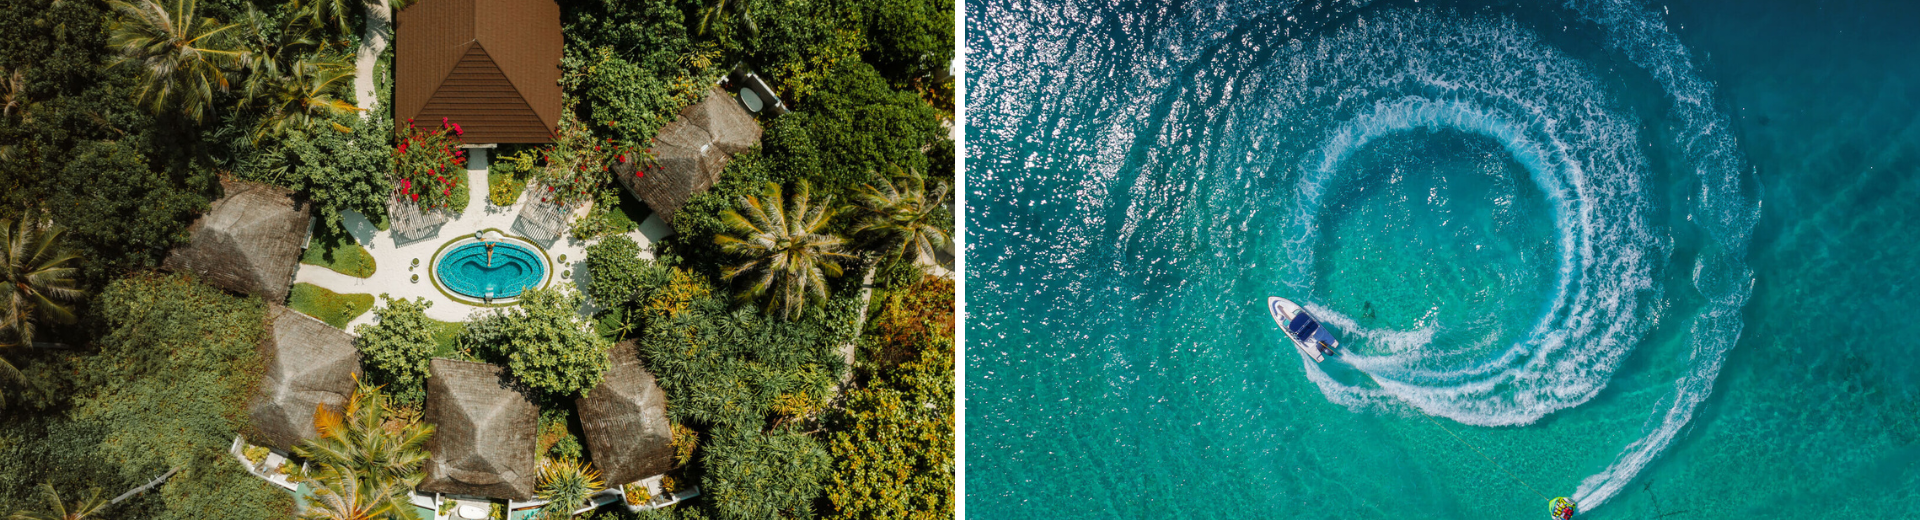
(1256, 142)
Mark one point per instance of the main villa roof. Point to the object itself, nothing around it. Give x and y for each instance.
(493, 66)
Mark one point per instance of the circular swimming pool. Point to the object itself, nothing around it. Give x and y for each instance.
(496, 268)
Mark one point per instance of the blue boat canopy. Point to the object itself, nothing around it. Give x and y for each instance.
(1302, 326)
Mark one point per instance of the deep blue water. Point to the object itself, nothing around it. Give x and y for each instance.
(1655, 257)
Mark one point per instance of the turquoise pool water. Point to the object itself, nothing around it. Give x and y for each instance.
(466, 269)
(1651, 256)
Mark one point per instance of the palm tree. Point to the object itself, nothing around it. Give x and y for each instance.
(339, 495)
(903, 217)
(57, 509)
(566, 485)
(384, 452)
(13, 94)
(790, 258)
(327, 14)
(38, 284)
(305, 97)
(181, 56)
(291, 76)
(721, 10)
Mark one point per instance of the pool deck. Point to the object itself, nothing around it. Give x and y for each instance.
(392, 274)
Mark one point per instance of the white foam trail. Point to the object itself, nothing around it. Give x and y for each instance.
(1494, 79)
(1720, 274)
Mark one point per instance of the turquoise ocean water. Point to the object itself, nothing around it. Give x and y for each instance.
(1659, 257)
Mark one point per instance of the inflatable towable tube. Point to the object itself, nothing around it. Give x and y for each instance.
(1561, 508)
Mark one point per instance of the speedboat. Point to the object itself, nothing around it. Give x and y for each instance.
(1306, 332)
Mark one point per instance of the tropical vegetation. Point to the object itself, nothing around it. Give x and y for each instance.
(56, 508)
(789, 256)
(183, 57)
(371, 453)
(542, 343)
(904, 216)
(396, 348)
(566, 483)
(36, 283)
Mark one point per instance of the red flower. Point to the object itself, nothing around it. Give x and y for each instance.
(416, 197)
(623, 157)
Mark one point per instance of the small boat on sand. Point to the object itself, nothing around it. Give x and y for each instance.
(1306, 332)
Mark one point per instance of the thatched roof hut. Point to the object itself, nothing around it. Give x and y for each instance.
(248, 242)
(691, 151)
(625, 420)
(308, 363)
(484, 438)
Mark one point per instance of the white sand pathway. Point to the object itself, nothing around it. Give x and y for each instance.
(373, 41)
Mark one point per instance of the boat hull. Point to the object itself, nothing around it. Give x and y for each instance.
(1283, 311)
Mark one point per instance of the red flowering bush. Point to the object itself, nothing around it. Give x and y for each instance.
(428, 163)
(578, 163)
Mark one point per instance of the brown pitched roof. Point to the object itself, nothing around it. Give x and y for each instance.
(484, 429)
(625, 420)
(493, 66)
(247, 242)
(309, 363)
(692, 151)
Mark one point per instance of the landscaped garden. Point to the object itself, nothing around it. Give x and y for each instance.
(334, 308)
(792, 320)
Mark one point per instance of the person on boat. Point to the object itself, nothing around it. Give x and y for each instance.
(1562, 508)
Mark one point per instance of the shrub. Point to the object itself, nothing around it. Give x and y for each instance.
(544, 346)
(751, 475)
(893, 442)
(619, 274)
(395, 349)
(337, 171)
(429, 163)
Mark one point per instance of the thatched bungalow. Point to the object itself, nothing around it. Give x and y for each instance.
(484, 438)
(691, 151)
(308, 363)
(248, 242)
(493, 66)
(625, 420)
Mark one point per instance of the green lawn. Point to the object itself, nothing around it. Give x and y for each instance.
(444, 335)
(630, 213)
(339, 253)
(334, 308)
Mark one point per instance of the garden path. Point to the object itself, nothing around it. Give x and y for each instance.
(373, 41)
(393, 276)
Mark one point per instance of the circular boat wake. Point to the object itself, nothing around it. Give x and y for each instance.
(1287, 105)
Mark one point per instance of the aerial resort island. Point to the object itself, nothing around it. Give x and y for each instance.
(477, 259)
